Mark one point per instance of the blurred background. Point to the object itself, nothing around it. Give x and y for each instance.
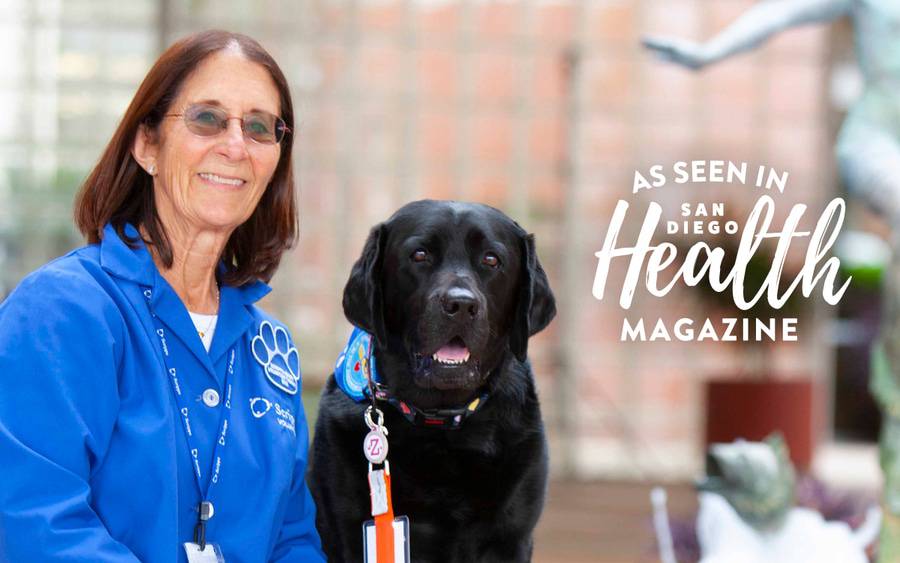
(543, 108)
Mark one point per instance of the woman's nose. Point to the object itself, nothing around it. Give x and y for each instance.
(234, 144)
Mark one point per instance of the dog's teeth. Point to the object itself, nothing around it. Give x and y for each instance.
(450, 361)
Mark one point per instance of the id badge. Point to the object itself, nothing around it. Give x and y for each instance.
(401, 541)
(212, 553)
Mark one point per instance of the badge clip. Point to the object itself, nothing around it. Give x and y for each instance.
(380, 539)
(205, 511)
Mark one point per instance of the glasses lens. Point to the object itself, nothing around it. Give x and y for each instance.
(263, 127)
(205, 120)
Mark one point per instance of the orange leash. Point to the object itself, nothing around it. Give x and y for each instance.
(384, 527)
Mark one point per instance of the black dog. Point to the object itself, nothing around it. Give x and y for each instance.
(450, 293)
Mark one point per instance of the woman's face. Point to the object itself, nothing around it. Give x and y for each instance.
(214, 183)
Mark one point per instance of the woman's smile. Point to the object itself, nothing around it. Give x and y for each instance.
(221, 181)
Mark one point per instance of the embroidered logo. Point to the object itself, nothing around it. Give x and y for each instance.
(281, 361)
(259, 406)
(285, 418)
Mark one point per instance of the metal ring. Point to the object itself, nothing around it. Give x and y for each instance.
(372, 425)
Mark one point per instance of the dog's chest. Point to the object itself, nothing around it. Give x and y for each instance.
(441, 476)
(454, 500)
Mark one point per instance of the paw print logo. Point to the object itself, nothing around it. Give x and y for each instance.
(281, 361)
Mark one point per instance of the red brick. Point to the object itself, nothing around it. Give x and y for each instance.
(546, 140)
(545, 195)
(613, 22)
(496, 19)
(668, 141)
(800, 45)
(439, 20)
(721, 13)
(554, 22)
(605, 136)
(795, 147)
(436, 73)
(438, 183)
(495, 78)
(386, 16)
(548, 78)
(492, 140)
(379, 70)
(488, 187)
(610, 83)
(437, 136)
(795, 91)
(671, 90)
(679, 18)
(333, 66)
(737, 83)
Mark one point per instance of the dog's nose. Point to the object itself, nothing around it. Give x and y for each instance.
(459, 299)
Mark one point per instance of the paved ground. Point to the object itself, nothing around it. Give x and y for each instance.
(605, 522)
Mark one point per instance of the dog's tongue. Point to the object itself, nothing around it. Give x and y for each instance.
(453, 351)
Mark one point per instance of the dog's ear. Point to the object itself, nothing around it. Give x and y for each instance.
(536, 305)
(362, 294)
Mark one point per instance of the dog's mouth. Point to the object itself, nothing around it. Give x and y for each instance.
(453, 353)
(451, 366)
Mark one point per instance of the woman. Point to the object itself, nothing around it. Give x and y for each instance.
(149, 411)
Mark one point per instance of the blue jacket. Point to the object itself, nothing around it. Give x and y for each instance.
(94, 461)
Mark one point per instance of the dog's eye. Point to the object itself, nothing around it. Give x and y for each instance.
(419, 256)
(490, 259)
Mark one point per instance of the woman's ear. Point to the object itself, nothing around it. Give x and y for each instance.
(145, 149)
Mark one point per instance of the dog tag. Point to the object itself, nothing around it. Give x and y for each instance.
(375, 446)
(210, 553)
(401, 541)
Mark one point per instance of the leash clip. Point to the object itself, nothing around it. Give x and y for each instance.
(373, 425)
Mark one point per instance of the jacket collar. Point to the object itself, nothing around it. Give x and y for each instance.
(129, 262)
(132, 262)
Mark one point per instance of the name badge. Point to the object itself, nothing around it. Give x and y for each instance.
(401, 541)
(210, 554)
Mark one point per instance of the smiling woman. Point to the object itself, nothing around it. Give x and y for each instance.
(137, 372)
(237, 82)
(207, 176)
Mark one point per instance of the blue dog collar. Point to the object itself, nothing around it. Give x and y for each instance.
(357, 363)
(353, 365)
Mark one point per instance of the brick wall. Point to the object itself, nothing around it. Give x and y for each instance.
(545, 109)
(542, 108)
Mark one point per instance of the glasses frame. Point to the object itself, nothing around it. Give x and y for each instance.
(184, 115)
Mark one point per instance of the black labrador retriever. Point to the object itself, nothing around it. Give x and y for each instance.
(450, 293)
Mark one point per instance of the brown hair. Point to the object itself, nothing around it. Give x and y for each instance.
(119, 191)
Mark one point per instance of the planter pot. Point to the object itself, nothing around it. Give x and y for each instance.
(754, 409)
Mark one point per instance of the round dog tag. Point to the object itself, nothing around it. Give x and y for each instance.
(375, 446)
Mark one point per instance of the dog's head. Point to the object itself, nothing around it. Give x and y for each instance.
(448, 290)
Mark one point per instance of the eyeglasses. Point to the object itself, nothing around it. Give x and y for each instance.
(207, 121)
